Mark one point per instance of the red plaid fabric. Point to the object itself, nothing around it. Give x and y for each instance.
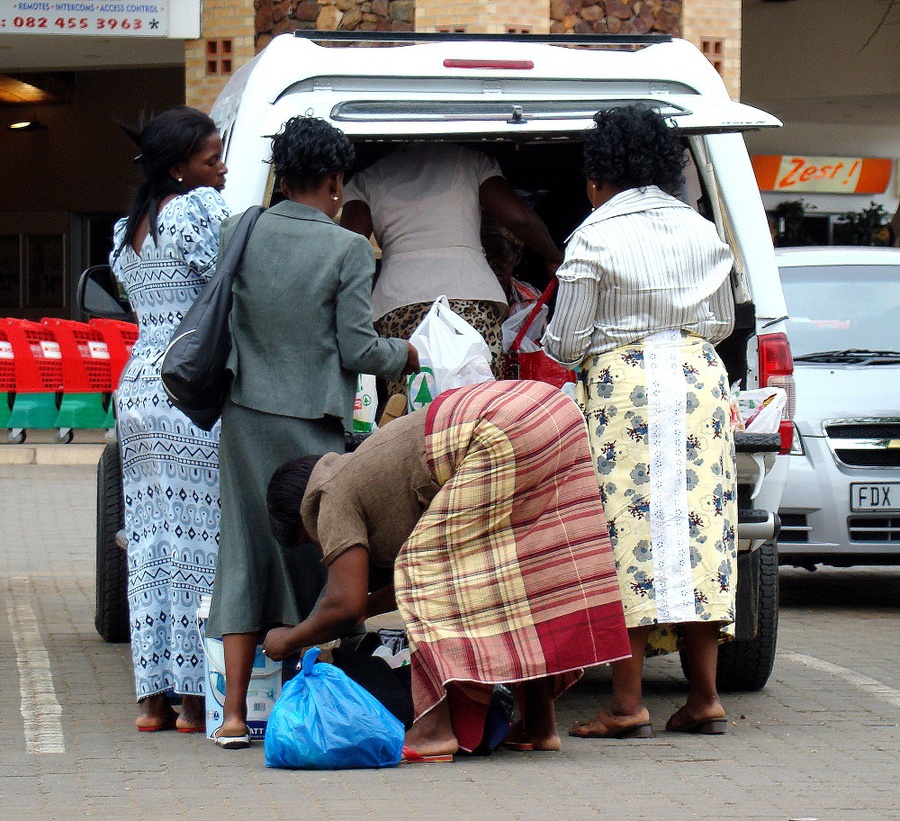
(509, 574)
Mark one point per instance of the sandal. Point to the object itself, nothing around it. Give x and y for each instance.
(167, 723)
(411, 756)
(716, 725)
(232, 742)
(606, 725)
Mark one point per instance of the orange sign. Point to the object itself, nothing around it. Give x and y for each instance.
(832, 175)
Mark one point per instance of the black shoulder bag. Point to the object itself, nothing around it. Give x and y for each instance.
(193, 369)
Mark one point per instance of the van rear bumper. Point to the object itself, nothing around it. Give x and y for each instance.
(755, 526)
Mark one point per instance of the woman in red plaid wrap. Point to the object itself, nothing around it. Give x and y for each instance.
(486, 507)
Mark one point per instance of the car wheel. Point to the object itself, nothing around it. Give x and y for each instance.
(111, 613)
(746, 665)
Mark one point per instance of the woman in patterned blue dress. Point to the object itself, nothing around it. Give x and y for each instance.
(164, 252)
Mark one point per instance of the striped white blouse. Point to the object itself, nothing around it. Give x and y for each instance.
(642, 262)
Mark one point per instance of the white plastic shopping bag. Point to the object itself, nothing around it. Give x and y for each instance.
(365, 405)
(762, 409)
(451, 354)
(513, 324)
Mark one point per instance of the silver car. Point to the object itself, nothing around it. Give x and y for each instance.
(841, 505)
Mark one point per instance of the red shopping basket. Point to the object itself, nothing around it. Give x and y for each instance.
(36, 355)
(7, 378)
(85, 356)
(87, 386)
(120, 338)
(7, 364)
(37, 362)
(535, 365)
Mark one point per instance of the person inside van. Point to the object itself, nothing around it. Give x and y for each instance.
(485, 508)
(644, 295)
(503, 252)
(424, 205)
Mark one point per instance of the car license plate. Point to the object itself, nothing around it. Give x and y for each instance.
(883, 497)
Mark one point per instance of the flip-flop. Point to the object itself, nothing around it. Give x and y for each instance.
(191, 728)
(232, 742)
(167, 723)
(517, 746)
(640, 729)
(410, 756)
(702, 726)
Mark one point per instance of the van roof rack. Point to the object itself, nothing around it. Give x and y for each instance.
(461, 36)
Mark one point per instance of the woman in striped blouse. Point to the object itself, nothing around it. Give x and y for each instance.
(644, 295)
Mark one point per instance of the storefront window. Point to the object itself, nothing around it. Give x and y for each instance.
(10, 273)
(45, 254)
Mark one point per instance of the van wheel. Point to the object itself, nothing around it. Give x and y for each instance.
(746, 664)
(111, 612)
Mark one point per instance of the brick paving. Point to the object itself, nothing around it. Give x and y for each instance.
(815, 744)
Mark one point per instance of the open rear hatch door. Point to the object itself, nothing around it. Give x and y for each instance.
(503, 109)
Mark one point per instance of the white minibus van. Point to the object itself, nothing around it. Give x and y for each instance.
(527, 101)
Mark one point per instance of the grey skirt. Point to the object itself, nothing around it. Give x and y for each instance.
(258, 584)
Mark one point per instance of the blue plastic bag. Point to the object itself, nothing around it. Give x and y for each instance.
(326, 721)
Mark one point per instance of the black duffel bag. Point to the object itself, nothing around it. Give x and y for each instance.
(193, 366)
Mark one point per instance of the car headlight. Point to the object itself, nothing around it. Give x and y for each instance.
(796, 444)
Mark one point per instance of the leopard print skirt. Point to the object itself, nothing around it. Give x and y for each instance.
(486, 317)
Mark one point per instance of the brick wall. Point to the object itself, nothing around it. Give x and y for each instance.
(485, 16)
(222, 19)
(712, 20)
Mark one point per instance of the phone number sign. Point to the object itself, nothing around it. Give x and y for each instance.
(128, 19)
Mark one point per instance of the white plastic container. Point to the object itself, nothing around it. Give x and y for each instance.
(263, 692)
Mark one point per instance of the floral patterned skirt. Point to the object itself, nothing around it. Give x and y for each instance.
(660, 432)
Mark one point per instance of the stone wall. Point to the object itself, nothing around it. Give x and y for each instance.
(616, 17)
(274, 17)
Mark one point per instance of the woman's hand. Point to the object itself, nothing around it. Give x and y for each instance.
(412, 360)
(278, 644)
(341, 607)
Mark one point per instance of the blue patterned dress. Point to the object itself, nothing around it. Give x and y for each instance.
(170, 468)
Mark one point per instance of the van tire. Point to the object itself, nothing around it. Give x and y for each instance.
(746, 664)
(111, 613)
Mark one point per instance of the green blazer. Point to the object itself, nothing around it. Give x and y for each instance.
(301, 322)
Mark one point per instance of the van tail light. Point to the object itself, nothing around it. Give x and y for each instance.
(776, 370)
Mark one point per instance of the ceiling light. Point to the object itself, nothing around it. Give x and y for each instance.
(16, 91)
(27, 125)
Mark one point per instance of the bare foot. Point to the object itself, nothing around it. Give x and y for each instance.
(539, 714)
(519, 740)
(154, 714)
(192, 718)
(432, 733)
(233, 727)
